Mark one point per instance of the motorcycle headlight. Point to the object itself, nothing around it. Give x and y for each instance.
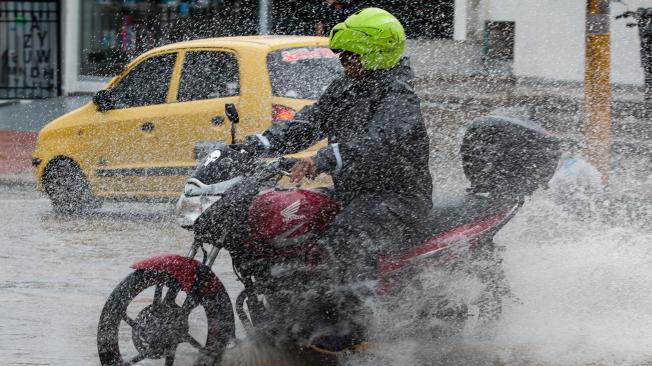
(190, 207)
(197, 197)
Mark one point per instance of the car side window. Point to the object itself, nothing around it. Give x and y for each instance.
(209, 74)
(146, 84)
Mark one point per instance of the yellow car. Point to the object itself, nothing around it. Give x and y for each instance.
(138, 138)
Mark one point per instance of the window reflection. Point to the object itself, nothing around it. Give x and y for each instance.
(116, 31)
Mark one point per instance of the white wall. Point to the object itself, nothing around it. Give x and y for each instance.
(550, 38)
(460, 20)
(71, 38)
(625, 45)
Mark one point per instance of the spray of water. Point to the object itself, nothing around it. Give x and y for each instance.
(578, 262)
(579, 265)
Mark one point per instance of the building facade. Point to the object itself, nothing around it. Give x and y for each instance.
(50, 48)
(96, 38)
(548, 37)
(30, 56)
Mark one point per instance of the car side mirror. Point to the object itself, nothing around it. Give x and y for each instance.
(232, 112)
(103, 100)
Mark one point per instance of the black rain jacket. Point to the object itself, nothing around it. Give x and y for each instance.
(377, 138)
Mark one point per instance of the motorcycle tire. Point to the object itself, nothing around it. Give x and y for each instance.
(218, 310)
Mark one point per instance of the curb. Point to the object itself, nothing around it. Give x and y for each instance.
(25, 179)
(7, 102)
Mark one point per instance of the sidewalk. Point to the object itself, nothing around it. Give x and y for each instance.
(32, 115)
(475, 90)
(559, 106)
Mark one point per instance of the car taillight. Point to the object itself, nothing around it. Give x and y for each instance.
(282, 113)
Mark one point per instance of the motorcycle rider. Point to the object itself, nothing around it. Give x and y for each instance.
(378, 147)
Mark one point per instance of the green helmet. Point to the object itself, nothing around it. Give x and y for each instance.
(374, 34)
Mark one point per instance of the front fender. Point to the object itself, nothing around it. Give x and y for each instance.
(185, 270)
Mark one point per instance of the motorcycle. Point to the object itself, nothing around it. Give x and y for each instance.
(232, 203)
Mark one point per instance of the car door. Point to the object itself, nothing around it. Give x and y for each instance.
(128, 136)
(209, 79)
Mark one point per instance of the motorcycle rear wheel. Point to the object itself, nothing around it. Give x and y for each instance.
(159, 328)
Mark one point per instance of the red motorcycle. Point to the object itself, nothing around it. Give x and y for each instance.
(231, 202)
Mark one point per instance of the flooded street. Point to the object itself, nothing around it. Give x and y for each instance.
(56, 272)
(580, 281)
(533, 118)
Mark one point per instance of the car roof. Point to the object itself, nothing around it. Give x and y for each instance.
(270, 42)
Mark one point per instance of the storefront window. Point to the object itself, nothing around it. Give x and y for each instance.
(29, 49)
(427, 19)
(116, 31)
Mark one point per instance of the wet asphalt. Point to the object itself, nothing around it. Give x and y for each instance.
(57, 271)
(577, 281)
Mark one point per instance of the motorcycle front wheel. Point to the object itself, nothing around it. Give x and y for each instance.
(149, 317)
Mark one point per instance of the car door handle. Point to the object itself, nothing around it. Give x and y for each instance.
(217, 120)
(147, 127)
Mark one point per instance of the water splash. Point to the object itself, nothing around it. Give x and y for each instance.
(579, 263)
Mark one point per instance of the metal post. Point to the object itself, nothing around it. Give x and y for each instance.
(597, 87)
(263, 16)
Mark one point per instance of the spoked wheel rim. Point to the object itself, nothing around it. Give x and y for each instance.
(158, 329)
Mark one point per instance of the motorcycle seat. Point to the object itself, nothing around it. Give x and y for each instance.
(462, 209)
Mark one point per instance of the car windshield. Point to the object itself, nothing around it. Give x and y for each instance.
(302, 73)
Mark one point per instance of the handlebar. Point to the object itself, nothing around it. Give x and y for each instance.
(286, 164)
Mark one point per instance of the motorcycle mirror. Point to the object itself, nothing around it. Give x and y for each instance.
(232, 113)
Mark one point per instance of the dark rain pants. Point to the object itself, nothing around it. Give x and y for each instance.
(370, 226)
(331, 314)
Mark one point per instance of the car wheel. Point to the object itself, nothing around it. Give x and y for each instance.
(68, 189)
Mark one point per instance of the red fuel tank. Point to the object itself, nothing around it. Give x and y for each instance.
(284, 217)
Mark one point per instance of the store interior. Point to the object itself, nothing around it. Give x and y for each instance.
(116, 31)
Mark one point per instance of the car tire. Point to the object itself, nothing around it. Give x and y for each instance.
(68, 189)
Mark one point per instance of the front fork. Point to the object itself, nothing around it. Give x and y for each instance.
(209, 258)
(248, 296)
